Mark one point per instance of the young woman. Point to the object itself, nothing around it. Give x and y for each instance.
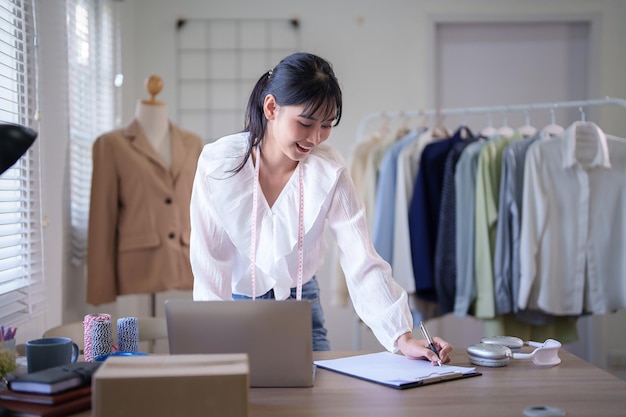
(262, 198)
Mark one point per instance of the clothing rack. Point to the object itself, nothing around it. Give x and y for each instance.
(501, 109)
(462, 111)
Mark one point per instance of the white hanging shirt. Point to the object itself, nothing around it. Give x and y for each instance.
(573, 233)
(221, 208)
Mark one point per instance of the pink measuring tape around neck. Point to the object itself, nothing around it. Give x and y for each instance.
(255, 207)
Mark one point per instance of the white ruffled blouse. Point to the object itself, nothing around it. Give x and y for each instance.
(221, 230)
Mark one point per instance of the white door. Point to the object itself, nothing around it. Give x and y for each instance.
(488, 64)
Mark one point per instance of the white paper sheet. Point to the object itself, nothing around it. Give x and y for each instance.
(395, 370)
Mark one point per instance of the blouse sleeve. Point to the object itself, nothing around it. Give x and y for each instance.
(378, 300)
(212, 253)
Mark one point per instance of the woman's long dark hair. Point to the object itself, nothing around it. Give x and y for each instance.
(300, 78)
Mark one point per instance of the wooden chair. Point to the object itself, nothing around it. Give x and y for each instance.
(151, 330)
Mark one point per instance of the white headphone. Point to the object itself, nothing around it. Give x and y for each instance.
(496, 351)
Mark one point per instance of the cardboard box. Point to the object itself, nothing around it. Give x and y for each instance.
(171, 385)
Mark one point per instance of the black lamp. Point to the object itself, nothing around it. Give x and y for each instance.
(15, 140)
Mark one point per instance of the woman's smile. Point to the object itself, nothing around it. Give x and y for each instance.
(303, 149)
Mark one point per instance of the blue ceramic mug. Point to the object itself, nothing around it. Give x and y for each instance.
(50, 352)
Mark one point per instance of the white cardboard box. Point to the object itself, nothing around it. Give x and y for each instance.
(171, 385)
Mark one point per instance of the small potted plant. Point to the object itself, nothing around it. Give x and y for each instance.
(7, 366)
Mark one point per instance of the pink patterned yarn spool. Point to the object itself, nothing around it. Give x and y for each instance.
(88, 332)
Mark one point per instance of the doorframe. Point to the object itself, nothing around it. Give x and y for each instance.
(591, 327)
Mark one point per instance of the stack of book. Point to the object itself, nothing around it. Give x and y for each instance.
(53, 392)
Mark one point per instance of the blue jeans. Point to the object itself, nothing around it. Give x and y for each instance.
(311, 292)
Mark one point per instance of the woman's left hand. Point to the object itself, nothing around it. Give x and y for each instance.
(419, 349)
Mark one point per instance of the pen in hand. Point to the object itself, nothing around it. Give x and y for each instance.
(431, 345)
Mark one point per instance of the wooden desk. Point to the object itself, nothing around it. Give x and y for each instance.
(576, 386)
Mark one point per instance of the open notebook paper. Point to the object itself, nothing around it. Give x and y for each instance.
(395, 371)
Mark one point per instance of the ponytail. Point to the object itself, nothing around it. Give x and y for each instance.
(255, 117)
(255, 121)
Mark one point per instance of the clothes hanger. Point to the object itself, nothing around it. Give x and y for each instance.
(553, 129)
(489, 130)
(587, 132)
(582, 114)
(403, 130)
(505, 130)
(440, 131)
(385, 128)
(423, 120)
(464, 129)
(587, 125)
(527, 130)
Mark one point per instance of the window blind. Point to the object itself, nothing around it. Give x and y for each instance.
(93, 63)
(21, 254)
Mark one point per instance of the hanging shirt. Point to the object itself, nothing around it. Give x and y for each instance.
(424, 213)
(408, 166)
(445, 256)
(384, 209)
(464, 190)
(486, 218)
(364, 164)
(370, 175)
(221, 206)
(573, 235)
(506, 256)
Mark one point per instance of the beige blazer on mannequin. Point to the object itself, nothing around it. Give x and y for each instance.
(139, 214)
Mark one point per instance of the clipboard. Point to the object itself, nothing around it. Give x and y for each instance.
(396, 371)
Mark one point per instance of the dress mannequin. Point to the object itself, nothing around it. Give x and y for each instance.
(139, 227)
(153, 119)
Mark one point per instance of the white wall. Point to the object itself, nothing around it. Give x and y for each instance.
(381, 50)
(382, 55)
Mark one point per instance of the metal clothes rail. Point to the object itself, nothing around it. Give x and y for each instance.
(501, 109)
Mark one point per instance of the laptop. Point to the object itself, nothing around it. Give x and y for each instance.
(276, 335)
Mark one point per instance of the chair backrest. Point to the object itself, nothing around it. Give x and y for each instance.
(74, 331)
(151, 329)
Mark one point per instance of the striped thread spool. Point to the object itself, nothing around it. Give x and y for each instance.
(87, 325)
(101, 338)
(128, 334)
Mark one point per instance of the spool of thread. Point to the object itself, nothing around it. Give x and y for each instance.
(87, 336)
(101, 338)
(128, 334)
